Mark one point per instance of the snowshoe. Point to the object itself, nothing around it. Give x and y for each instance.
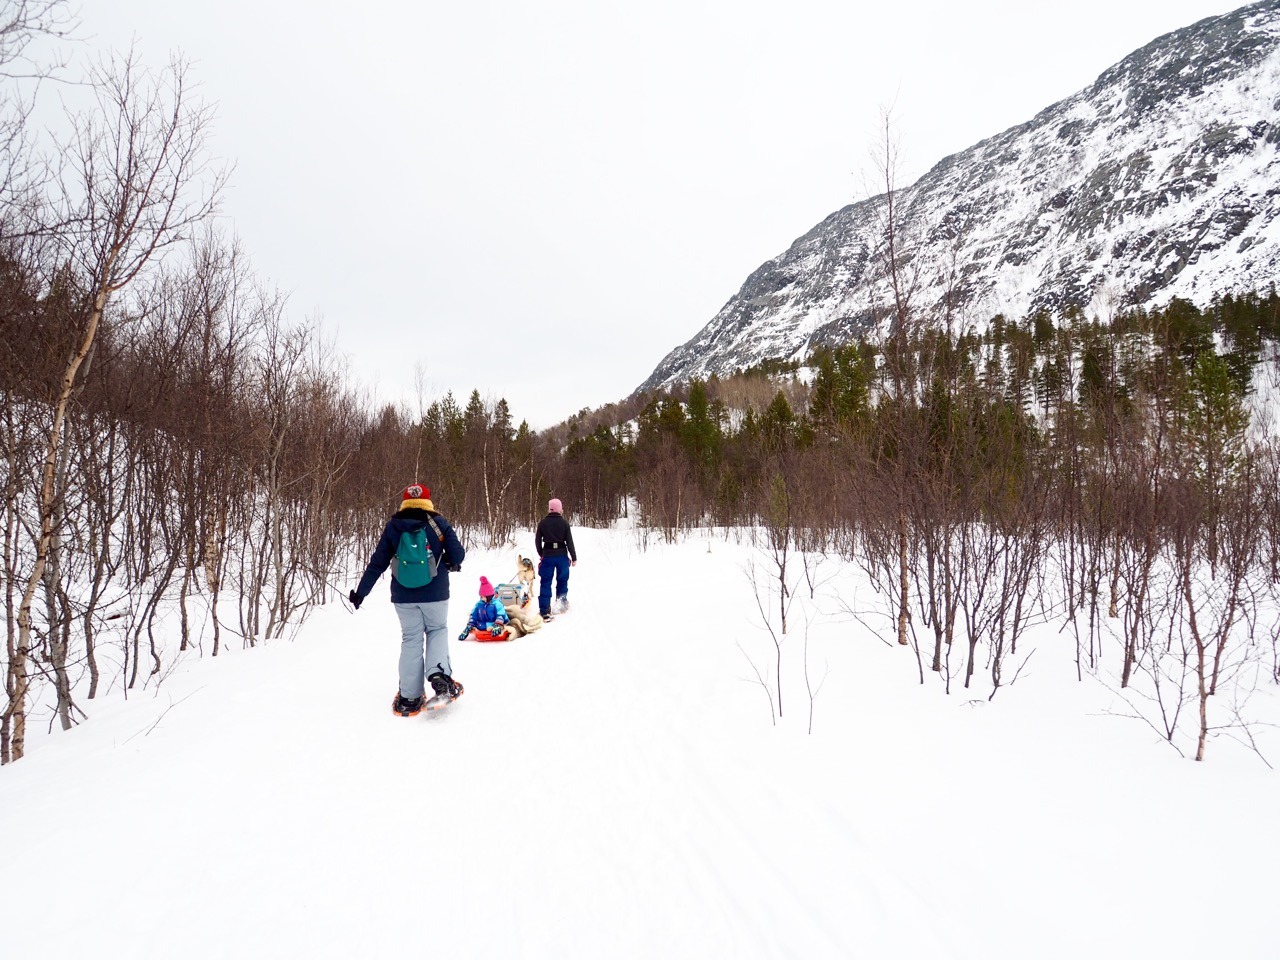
(406, 706)
(446, 690)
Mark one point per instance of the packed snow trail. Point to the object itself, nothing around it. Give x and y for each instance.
(608, 787)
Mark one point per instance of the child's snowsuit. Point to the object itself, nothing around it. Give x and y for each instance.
(487, 614)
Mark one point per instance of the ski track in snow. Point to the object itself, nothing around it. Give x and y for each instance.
(612, 786)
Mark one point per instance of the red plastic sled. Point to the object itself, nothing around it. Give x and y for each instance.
(484, 636)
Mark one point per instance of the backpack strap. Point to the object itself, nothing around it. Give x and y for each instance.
(431, 521)
(436, 528)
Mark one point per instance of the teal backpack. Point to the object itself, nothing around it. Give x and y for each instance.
(414, 564)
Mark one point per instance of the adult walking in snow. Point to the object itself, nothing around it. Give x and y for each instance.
(423, 548)
(556, 554)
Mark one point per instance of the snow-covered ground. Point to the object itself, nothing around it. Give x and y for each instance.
(614, 787)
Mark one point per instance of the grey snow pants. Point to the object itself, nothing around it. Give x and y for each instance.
(419, 621)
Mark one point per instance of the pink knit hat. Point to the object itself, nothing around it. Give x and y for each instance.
(486, 588)
(555, 506)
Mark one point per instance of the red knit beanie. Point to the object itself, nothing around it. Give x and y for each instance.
(416, 491)
(486, 588)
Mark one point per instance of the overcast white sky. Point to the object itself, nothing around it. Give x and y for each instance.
(541, 199)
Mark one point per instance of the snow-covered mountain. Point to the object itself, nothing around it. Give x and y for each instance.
(1159, 180)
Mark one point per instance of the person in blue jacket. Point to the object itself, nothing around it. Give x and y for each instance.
(487, 614)
(423, 610)
(556, 554)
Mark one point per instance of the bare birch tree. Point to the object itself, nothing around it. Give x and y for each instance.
(136, 181)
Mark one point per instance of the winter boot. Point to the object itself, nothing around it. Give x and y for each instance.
(445, 686)
(406, 706)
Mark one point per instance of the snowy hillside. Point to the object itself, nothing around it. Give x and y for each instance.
(615, 786)
(1159, 180)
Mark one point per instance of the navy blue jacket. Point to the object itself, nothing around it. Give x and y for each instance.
(553, 538)
(449, 554)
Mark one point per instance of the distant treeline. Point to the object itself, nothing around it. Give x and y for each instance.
(999, 404)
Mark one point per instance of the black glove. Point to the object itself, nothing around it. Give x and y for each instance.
(453, 567)
(355, 599)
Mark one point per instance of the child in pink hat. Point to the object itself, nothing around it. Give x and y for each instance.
(488, 614)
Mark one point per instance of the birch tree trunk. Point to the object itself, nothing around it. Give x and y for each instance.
(131, 163)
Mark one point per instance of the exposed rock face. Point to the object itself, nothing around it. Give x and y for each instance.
(1161, 179)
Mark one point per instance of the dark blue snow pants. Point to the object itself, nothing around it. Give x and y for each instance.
(546, 567)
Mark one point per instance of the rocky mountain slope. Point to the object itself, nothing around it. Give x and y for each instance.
(1161, 179)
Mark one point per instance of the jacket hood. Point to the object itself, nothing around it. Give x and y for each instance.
(411, 519)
